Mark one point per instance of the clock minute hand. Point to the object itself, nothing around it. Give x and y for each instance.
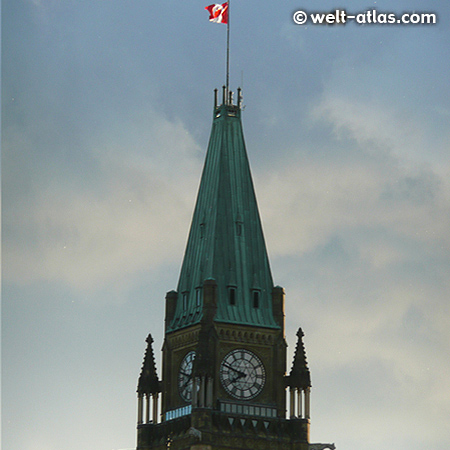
(186, 374)
(240, 374)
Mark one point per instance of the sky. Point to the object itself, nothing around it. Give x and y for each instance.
(106, 113)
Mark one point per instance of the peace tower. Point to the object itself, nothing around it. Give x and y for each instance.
(224, 383)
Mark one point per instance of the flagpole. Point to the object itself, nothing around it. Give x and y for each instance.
(228, 53)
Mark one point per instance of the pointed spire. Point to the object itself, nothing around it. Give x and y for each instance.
(148, 380)
(226, 241)
(299, 376)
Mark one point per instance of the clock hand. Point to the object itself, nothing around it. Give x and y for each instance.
(186, 374)
(241, 374)
(189, 380)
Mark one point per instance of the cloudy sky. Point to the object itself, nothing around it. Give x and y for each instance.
(107, 109)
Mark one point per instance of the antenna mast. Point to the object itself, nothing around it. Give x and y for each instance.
(228, 51)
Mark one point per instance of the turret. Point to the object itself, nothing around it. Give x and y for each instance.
(299, 381)
(149, 386)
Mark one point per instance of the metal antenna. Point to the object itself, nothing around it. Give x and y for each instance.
(228, 49)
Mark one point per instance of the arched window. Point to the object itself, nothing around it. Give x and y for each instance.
(198, 296)
(256, 295)
(232, 295)
(185, 300)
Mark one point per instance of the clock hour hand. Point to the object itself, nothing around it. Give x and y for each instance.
(240, 374)
(186, 383)
(187, 380)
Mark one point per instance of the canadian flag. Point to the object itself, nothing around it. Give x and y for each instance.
(218, 13)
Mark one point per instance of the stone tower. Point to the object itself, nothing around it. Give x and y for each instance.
(224, 383)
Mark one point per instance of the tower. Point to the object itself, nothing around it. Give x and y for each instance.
(224, 384)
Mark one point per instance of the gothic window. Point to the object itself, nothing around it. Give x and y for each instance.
(238, 228)
(239, 225)
(198, 296)
(232, 295)
(256, 295)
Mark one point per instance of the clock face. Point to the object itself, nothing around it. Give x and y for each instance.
(242, 374)
(185, 377)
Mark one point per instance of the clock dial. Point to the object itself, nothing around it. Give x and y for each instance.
(242, 374)
(185, 377)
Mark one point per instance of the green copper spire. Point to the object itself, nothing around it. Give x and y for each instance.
(226, 241)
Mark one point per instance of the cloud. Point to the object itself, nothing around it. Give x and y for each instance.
(367, 122)
(377, 340)
(385, 211)
(127, 214)
(357, 232)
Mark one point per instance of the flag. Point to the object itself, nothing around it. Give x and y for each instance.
(218, 13)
